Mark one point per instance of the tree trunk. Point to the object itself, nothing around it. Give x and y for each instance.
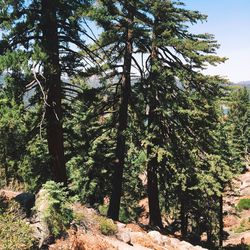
(6, 170)
(221, 222)
(152, 179)
(153, 193)
(52, 74)
(184, 217)
(152, 165)
(114, 206)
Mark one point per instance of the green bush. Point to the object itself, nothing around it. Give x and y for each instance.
(57, 213)
(244, 204)
(103, 209)
(15, 233)
(107, 226)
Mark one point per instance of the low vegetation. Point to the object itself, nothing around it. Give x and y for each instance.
(15, 233)
(244, 204)
(121, 114)
(57, 213)
(106, 226)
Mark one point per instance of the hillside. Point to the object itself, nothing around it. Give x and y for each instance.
(236, 221)
(89, 230)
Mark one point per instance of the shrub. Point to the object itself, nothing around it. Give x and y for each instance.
(15, 233)
(107, 226)
(57, 213)
(244, 204)
(103, 209)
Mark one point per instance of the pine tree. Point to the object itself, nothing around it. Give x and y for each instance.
(238, 121)
(169, 99)
(42, 33)
(116, 44)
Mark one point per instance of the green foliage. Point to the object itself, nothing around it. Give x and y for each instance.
(57, 213)
(244, 204)
(103, 209)
(174, 122)
(12, 137)
(34, 165)
(107, 226)
(15, 233)
(238, 127)
(89, 148)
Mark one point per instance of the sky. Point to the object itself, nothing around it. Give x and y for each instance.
(229, 21)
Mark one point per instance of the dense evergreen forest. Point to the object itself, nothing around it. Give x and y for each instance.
(109, 98)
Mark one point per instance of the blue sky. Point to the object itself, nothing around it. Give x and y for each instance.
(229, 21)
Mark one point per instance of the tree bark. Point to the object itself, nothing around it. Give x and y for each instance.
(221, 221)
(52, 74)
(114, 206)
(155, 219)
(183, 216)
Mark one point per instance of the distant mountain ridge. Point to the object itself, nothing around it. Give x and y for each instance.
(243, 83)
(94, 82)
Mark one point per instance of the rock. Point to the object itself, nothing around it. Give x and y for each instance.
(120, 225)
(166, 240)
(230, 221)
(245, 191)
(135, 235)
(156, 236)
(145, 240)
(40, 227)
(26, 201)
(198, 248)
(134, 228)
(173, 242)
(184, 245)
(124, 236)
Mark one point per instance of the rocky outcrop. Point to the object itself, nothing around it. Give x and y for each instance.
(18, 202)
(26, 201)
(151, 240)
(40, 227)
(235, 219)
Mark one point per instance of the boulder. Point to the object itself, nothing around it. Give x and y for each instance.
(198, 248)
(26, 201)
(40, 227)
(120, 225)
(156, 237)
(184, 245)
(124, 236)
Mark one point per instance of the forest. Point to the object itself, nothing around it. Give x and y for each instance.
(107, 103)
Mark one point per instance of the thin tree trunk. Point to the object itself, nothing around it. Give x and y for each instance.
(221, 222)
(155, 219)
(52, 74)
(152, 165)
(184, 217)
(6, 171)
(120, 153)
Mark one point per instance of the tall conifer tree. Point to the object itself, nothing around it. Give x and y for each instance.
(37, 38)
